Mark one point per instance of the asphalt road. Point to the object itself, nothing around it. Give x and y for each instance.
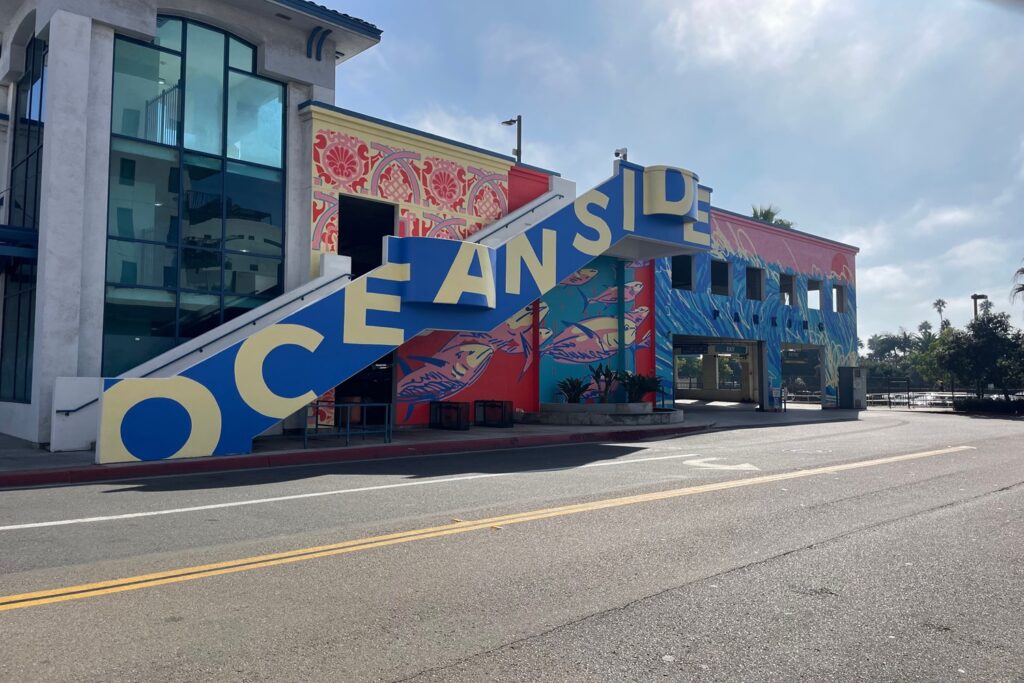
(812, 552)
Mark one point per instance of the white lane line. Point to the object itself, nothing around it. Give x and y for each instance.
(630, 462)
(316, 494)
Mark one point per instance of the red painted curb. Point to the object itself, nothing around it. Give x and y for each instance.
(229, 463)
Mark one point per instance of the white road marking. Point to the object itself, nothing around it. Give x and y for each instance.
(629, 462)
(707, 464)
(316, 494)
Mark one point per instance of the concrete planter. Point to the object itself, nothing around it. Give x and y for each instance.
(620, 414)
(598, 408)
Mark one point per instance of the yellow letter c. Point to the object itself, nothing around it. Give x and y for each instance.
(252, 385)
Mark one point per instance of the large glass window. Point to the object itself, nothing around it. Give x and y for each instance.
(17, 318)
(143, 201)
(255, 108)
(204, 90)
(196, 218)
(147, 86)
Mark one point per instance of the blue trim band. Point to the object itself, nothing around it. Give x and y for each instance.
(420, 133)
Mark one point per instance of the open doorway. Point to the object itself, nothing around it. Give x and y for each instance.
(362, 226)
(802, 376)
(717, 372)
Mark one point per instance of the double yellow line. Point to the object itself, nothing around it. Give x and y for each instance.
(91, 590)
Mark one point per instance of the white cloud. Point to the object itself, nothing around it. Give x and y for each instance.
(872, 240)
(892, 281)
(524, 56)
(769, 34)
(981, 251)
(487, 132)
(950, 217)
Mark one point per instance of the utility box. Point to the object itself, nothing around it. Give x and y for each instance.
(853, 388)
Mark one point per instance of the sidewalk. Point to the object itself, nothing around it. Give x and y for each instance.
(23, 464)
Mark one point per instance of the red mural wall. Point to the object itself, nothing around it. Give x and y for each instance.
(464, 366)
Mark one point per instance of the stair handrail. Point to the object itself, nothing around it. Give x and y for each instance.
(200, 349)
(489, 230)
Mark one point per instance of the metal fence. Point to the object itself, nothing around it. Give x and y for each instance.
(326, 419)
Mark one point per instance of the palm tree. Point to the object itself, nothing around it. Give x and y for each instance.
(940, 305)
(770, 214)
(1018, 287)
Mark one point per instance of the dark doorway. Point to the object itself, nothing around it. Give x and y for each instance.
(362, 225)
(372, 384)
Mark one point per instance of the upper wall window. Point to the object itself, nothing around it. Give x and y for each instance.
(682, 272)
(787, 289)
(838, 299)
(755, 284)
(195, 88)
(146, 93)
(814, 295)
(720, 277)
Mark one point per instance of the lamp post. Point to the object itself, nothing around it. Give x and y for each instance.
(977, 298)
(518, 123)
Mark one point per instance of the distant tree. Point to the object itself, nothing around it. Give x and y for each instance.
(985, 307)
(925, 336)
(940, 305)
(770, 214)
(990, 351)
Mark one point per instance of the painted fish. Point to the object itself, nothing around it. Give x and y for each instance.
(611, 295)
(515, 334)
(589, 341)
(580, 277)
(455, 367)
(637, 264)
(638, 315)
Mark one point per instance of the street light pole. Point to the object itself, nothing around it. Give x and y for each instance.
(976, 298)
(518, 123)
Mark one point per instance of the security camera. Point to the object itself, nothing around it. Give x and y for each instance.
(621, 153)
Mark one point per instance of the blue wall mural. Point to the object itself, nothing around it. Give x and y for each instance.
(746, 243)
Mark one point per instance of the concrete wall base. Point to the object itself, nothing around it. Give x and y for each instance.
(661, 417)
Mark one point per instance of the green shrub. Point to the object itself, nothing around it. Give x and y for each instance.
(989, 405)
(572, 388)
(603, 376)
(637, 386)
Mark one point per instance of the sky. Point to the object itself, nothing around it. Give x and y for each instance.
(897, 127)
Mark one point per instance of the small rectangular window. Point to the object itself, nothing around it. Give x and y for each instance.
(682, 272)
(838, 299)
(755, 284)
(814, 295)
(240, 55)
(787, 290)
(720, 278)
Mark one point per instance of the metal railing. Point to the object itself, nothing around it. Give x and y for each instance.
(489, 230)
(277, 304)
(341, 424)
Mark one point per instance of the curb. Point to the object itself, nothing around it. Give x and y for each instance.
(232, 463)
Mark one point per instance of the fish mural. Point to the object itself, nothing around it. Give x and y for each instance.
(591, 340)
(456, 366)
(611, 295)
(580, 277)
(634, 265)
(514, 336)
